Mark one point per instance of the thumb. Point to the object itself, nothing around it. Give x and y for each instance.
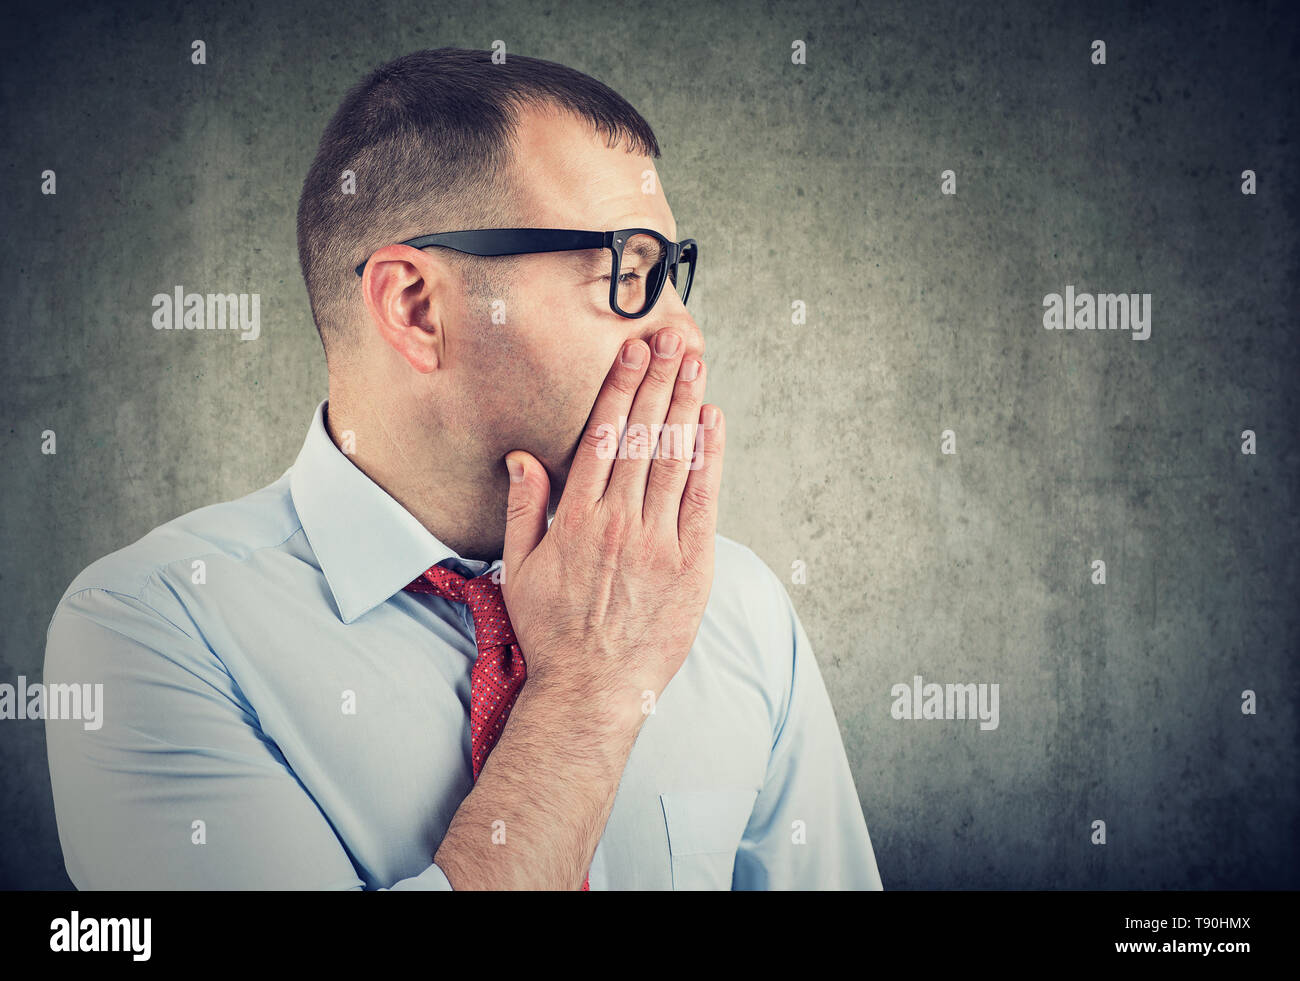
(530, 492)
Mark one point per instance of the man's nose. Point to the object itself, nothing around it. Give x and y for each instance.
(670, 312)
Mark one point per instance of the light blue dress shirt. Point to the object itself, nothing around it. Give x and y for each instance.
(278, 713)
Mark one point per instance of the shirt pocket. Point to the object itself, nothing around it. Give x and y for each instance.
(704, 831)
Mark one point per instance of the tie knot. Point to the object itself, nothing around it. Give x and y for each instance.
(481, 595)
(441, 581)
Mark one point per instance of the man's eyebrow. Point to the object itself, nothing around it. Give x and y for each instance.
(647, 248)
(597, 260)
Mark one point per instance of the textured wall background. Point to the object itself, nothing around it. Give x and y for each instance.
(820, 182)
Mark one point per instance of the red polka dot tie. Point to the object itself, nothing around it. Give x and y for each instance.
(499, 671)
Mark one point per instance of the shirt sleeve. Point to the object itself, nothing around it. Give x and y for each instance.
(806, 830)
(174, 785)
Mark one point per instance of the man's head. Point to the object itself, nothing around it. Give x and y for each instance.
(502, 353)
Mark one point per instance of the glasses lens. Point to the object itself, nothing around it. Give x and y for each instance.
(643, 268)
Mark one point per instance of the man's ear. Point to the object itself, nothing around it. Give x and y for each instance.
(407, 294)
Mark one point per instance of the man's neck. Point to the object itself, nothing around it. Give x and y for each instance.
(459, 497)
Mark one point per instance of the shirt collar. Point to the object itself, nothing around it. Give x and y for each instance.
(367, 545)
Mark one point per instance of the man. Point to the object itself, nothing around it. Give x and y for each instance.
(302, 687)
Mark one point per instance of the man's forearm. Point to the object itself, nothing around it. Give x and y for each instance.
(541, 802)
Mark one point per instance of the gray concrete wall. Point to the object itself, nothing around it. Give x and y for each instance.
(1118, 702)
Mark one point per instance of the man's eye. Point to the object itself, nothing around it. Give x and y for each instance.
(624, 279)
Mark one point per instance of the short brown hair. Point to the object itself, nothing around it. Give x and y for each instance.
(428, 138)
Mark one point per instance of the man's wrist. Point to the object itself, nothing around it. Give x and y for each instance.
(600, 730)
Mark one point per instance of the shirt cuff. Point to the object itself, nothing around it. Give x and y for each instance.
(431, 879)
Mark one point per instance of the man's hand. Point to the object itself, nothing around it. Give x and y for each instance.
(606, 603)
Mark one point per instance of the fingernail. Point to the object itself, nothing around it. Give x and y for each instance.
(515, 469)
(631, 356)
(690, 370)
(666, 344)
(709, 417)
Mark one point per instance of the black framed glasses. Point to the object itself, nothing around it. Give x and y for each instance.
(641, 260)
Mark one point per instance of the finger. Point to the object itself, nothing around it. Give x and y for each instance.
(674, 449)
(530, 492)
(698, 520)
(594, 458)
(627, 482)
